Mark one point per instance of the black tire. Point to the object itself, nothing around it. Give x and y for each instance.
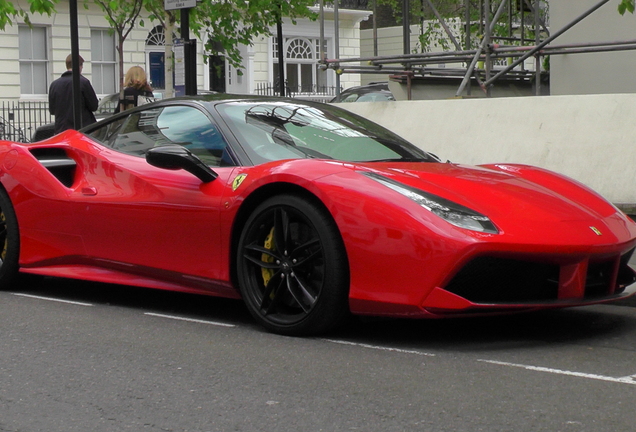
(9, 241)
(292, 267)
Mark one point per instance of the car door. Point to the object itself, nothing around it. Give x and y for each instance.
(153, 220)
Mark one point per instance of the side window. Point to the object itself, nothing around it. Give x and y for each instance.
(192, 129)
(177, 125)
(351, 98)
(107, 132)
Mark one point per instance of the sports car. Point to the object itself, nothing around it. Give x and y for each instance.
(305, 211)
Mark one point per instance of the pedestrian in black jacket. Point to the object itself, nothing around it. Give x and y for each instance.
(61, 98)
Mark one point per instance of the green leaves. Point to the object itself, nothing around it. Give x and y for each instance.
(8, 12)
(626, 6)
(42, 6)
(229, 23)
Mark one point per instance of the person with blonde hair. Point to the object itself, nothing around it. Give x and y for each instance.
(135, 85)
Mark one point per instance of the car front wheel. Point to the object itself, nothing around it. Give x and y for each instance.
(292, 267)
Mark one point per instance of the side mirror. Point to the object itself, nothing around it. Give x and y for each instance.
(174, 157)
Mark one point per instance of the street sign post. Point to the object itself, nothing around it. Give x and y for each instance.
(178, 4)
(189, 45)
(179, 68)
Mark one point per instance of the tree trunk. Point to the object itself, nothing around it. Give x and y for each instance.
(120, 51)
(169, 57)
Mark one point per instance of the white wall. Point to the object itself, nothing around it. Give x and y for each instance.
(589, 138)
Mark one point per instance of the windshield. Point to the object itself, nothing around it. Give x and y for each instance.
(285, 130)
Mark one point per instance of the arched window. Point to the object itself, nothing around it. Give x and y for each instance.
(298, 49)
(156, 37)
(301, 70)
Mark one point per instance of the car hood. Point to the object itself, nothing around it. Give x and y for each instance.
(512, 196)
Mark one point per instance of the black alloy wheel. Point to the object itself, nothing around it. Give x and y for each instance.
(292, 267)
(9, 241)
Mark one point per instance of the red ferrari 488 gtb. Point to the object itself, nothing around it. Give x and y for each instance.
(305, 211)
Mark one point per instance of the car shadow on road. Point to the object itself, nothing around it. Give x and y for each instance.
(146, 299)
(583, 325)
(591, 324)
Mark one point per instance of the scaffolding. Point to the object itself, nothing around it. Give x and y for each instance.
(526, 35)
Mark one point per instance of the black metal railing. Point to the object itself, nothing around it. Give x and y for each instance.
(347, 4)
(313, 92)
(19, 119)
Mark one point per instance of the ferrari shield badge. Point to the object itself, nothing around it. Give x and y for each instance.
(237, 181)
(596, 231)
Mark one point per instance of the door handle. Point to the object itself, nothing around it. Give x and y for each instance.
(89, 190)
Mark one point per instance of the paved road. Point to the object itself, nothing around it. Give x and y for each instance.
(124, 359)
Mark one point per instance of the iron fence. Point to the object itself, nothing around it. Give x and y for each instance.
(19, 119)
(310, 92)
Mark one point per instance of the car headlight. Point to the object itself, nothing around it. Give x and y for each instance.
(451, 212)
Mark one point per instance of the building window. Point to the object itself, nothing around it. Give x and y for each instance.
(301, 69)
(33, 60)
(103, 62)
(156, 37)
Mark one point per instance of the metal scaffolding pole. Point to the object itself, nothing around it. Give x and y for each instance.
(542, 22)
(322, 30)
(442, 22)
(375, 28)
(406, 28)
(336, 20)
(537, 57)
(413, 65)
(488, 65)
(547, 41)
(467, 30)
(482, 45)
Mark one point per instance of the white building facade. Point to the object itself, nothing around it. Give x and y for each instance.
(32, 57)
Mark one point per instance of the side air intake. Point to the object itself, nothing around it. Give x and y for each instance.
(58, 162)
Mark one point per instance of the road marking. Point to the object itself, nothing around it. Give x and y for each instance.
(53, 299)
(623, 380)
(189, 319)
(381, 348)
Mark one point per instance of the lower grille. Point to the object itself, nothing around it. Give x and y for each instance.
(625, 274)
(501, 280)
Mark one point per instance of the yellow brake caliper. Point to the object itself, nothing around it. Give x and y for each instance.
(269, 244)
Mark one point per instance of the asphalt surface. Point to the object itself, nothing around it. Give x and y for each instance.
(78, 356)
